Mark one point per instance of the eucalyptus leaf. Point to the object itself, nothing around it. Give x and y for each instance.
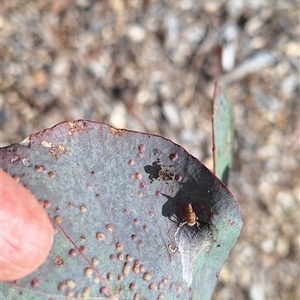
(117, 200)
(223, 135)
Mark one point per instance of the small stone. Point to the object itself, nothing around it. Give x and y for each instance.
(136, 33)
(268, 246)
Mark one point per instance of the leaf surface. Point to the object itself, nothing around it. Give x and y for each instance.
(223, 135)
(117, 201)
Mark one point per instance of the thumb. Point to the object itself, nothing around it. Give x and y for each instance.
(26, 234)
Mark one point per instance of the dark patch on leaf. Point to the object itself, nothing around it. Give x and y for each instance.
(191, 240)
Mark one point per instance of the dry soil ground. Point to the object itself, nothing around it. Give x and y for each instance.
(150, 66)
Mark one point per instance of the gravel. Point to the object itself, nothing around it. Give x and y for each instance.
(150, 66)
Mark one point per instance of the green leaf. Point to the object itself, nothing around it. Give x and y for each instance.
(118, 200)
(223, 135)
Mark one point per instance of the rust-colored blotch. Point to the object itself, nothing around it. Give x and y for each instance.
(83, 208)
(160, 286)
(40, 168)
(104, 291)
(70, 283)
(88, 272)
(138, 176)
(162, 283)
(58, 261)
(173, 156)
(34, 282)
(70, 205)
(142, 185)
(57, 220)
(82, 249)
(69, 293)
(16, 158)
(142, 147)
(136, 296)
(16, 178)
(126, 268)
(86, 292)
(129, 257)
(120, 277)
(178, 177)
(46, 144)
(213, 215)
(113, 257)
(151, 286)
(96, 279)
(109, 227)
(119, 246)
(120, 256)
(51, 174)
(46, 204)
(73, 252)
(179, 290)
(142, 268)
(100, 236)
(136, 266)
(61, 286)
(164, 280)
(62, 148)
(146, 276)
(74, 127)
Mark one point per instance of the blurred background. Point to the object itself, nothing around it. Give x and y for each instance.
(150, 66)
